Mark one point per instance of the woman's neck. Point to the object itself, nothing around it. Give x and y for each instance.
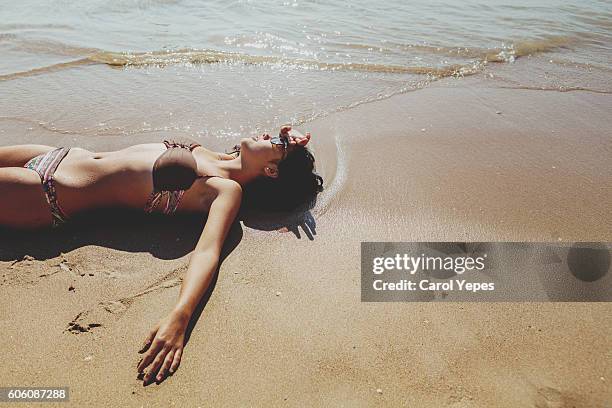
(235, 169)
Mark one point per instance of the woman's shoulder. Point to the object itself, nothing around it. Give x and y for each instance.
(218, 186)
(204, 191)
(225, 186)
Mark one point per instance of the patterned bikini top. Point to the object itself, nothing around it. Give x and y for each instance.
(174, 171)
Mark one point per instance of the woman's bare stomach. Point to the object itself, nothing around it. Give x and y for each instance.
(86, 180)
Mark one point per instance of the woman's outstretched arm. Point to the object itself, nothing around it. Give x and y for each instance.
(164, 344)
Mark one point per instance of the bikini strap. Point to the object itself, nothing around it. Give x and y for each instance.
(173, 199)
(173, 144)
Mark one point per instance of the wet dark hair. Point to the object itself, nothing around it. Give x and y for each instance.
(297, 184)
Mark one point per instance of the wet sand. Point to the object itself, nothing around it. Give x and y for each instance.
(284, 325)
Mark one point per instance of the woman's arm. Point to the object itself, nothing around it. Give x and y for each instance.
(164, 344)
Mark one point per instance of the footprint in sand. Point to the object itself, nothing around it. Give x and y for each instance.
(85, 321)
(113, 306)
(90, 319)
(79, 325)
(548, 397)
(111, 274)
(111, 310)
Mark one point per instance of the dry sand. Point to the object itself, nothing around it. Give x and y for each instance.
(285, 326)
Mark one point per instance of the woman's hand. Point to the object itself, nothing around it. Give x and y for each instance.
(163, 348)
(294, 137)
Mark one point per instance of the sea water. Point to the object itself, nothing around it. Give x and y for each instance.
(217, 70)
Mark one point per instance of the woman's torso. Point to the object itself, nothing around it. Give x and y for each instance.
(123, 178)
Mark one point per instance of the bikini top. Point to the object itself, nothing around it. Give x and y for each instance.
(174, 171)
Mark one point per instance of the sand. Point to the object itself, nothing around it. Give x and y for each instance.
(284, 325)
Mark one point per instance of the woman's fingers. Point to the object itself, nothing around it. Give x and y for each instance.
(163, 371)
(285, 129)
(176, 361)
(147, 358)
(148, 340)
(299, 141)
(304, 141)
(159, 359)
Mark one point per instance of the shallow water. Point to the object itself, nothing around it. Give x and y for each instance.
(219, 69)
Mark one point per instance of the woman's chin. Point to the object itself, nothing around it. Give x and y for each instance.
(244, 142)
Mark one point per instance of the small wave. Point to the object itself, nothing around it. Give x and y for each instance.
(503, 54)
(189, 56)
(162, 59)
(194, 56)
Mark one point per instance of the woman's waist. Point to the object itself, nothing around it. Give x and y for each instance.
(81, 185)
(99, 195)
(84, 169)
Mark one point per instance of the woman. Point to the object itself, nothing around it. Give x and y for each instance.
(273, 173)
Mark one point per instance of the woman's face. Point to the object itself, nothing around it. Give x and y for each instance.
(260, 149)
